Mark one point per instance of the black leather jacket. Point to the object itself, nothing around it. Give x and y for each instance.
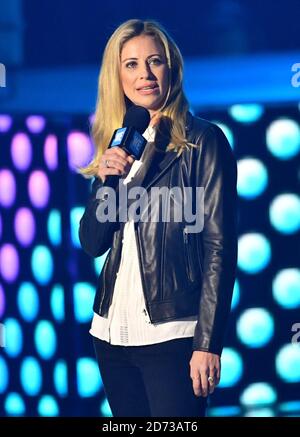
(182, 274)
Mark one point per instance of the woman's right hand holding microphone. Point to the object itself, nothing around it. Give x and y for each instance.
(114, 161)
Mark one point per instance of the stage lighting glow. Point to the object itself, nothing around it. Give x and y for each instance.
(50, 152)
(80, 149)
(7, 188)
(2, 301)
(232, 368)
(21, 151)
(13, 337)
(255, 327)
(76, 214)
(35, 123)
(4, 375)
(0, 227)
(14, 405)
(258, 394)
(60, 377)
(24, 225)
(260, 412)
(57, 303)
(286, 288)
(5, 123)
(42, 264)
(105, 410)
(39, 189)
(31, 376)
(285, 213)
(235, 295)
(288, 363)
(28, 301)
(88, 377)
(290, 407)
(252, 178)
(83, 301)
(283, 138)
(48, 407)
(45, 339)
(99, 262)
(54, 227)
(9, 262)
(246, 113)
(227, 132)
(224, 411)
(254, 252)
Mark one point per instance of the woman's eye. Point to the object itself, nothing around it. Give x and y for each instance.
(131, 64)
(155, 61)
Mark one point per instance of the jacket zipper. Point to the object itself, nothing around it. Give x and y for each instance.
(187, 254)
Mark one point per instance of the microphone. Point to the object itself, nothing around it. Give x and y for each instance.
(129, 137)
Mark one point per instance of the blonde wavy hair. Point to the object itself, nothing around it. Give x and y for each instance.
(112, 103)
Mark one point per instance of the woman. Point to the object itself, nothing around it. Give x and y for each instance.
(163, 296)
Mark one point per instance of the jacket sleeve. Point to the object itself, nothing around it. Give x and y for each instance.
(95, 237)
(217, 173)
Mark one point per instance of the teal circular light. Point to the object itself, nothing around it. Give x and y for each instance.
(28, 301)
(283, 138)
(254, 252)
(258, 394)
(252, 178)
(88, 377)
(42, 264)
(232, 368)
(286, 288)
(45, 339)
(54, 227)
(48, 407)
(288, 363)
(285, 213)
(83, 301)
(76, 214)
(99, 262)
(4, 375)
(255, 327)
(13, 337)
(60, 377)
(260, 412)
(57, 302)
(105, 410)
(14, 405)
(31, 376)
(235, 295)
(246, 113)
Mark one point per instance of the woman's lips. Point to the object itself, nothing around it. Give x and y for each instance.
(148, 91)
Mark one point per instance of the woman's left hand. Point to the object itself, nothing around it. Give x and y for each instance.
(205, 371)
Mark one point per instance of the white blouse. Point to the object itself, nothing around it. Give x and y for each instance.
(128, 323)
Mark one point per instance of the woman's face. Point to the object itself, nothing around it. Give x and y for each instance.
(144, 72)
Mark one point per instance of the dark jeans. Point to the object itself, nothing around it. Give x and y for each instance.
(149, 381)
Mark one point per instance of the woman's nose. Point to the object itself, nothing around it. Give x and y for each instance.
(145, 71)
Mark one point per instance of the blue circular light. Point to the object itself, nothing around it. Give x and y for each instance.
(31, 376)
(61, 378)
(88, 377)
(227, 132)
(288, 363)
(14, 405)
(255, 327)
(42, 264)
(286, 288)
(246, 113)
(99, 262)
(105, 410)
(57, 303)
(28, 301)
(4, 375)
(76, 214)
(83, 301)
(254, 252)
(13, 337)
(232, 368)
(258, 394)
(45, 339)
(54, 227)
(236, 295)
(285, 213)
(48, 407)
(252, 178)
(283, 138)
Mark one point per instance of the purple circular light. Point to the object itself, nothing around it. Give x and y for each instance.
(21, 151)
(2, 301)
(80, 150)
(5, 123)
(7, 188)
(0, 227)
(9, 262)
(38, 188)
(35, 123)
(92, 118)
(50, 152)
(24, 226)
